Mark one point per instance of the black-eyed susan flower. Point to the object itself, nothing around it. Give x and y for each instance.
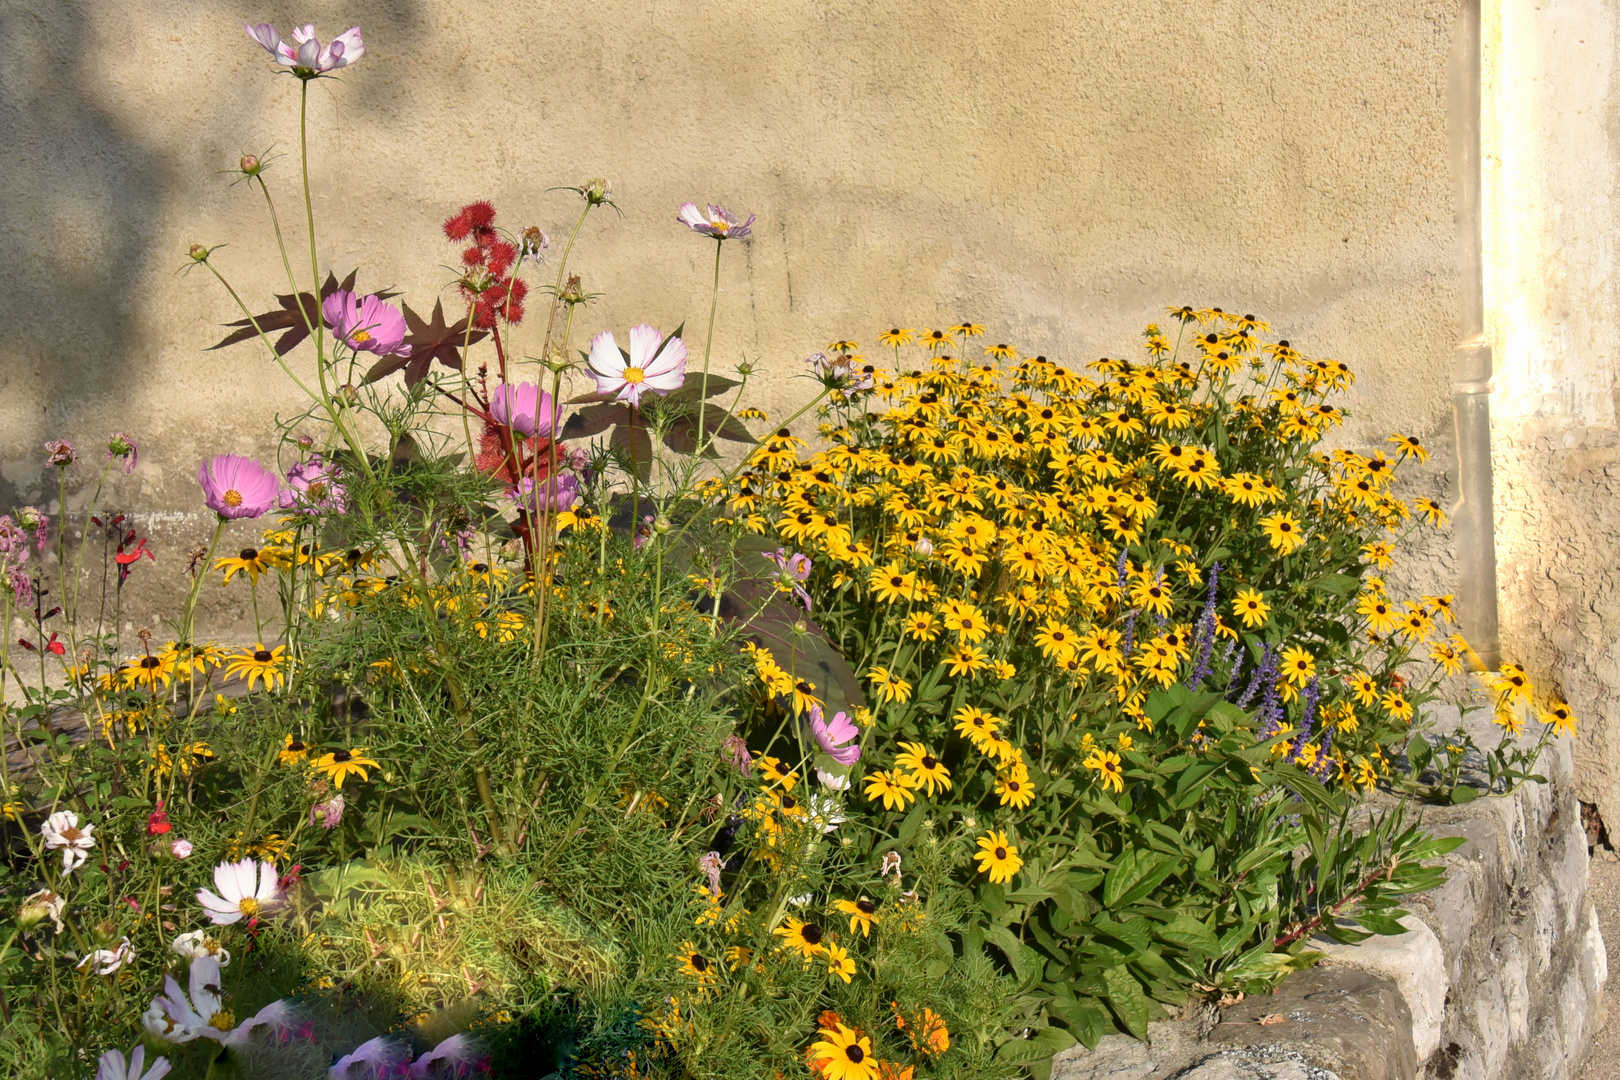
(923, 769)
(892, 788)
(862, 914)
(1561, 717)
(966, 661)
(1284, 532)
(805, 938)
(921, 626)
(259, 664)
(1015, 791)
(339, 764)
(1381, 615)
(772, 771)
(1410, 446)
(150, 673)
(839, 962)
(892, 584)
(1105, 763)
(1250, 606)
(293, 751)
(887, 685)
(998, 857)
(975, 725)
(1397, 706)
(1297, 666)
(1512, 682)
(250, 561)
(842, 1053)
(694, 965)
(1363, 687)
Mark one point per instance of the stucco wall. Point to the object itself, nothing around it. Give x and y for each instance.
(1057, 171)
(1552, 137)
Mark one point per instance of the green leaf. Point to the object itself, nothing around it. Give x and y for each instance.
(1337, 584)
(1136, 875)
(1047, 1043)
(1130, 1005)
(1463, 793)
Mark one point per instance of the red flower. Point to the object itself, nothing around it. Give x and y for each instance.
(157, 822)
(55, 647)
(124, 558)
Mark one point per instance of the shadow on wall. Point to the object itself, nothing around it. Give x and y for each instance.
(79, 200)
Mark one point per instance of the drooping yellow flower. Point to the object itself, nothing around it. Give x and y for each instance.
(923, 769)
(862, 914)
(259, 664)
(1561, 717)
(892, 788)
(338, 764)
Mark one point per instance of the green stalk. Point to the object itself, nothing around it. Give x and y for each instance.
(708, 345)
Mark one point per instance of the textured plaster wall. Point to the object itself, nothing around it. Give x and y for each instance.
(1552, 137)
(1057, 171)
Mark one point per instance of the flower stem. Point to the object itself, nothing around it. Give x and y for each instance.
(708, 345)
(187, 617)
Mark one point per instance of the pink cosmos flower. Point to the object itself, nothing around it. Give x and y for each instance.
(122, 446)
(717, 222)
(648, 367)
(312, 485)
(523, 407)
(306, 54)
(114, 1066)
(237, 487)
(61, 453)
(368, 324)
(837, 738)
(554, 493)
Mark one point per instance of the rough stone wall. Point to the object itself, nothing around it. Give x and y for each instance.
(1499, 976)
(1056, 171)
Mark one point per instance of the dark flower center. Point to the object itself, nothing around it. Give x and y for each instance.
(855, 1053)
(480, 568)
(150, 662)
(1001, 853)
(1014, 786)
(811, 933)
(249, 554)
(928, 762)
(789, 802)
(699, 964)
(865, 907)
(341, 756)
(296, 747)
(262, 656)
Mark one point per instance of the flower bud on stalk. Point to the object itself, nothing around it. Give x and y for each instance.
(198, 252)
(250, 165)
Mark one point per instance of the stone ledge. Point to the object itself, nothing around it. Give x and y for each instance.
(1499, 976)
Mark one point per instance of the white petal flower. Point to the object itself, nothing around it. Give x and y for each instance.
(197, 944)
(62, 832)
(179, 1019)
(246, 889)
(661, 370)
(39, 906)
(108, 961)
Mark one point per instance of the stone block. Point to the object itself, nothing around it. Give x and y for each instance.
(1414, 962)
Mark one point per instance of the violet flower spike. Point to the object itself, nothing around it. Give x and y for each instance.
(717, 222)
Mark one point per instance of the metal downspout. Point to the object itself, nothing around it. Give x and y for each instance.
(1471, 514)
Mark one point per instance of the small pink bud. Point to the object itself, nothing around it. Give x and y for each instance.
(180, 849)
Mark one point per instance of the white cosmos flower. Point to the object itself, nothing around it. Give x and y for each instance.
(114, 1067)
(62, 832)
(198, 943)
(108, 961)
(246, 889)
(832, 780)
(179, 1018)
(39, 906)
(661, 370)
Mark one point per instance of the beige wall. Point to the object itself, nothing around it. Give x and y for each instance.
(1056, 170)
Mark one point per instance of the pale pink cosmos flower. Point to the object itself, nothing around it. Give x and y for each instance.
(558, 492)
(366, 324)
(62, 832)
(114, 1066)
(306, 53)
(652, 364)
(717, 222)
(178, 1018)
(373, 1060)
(247, 889)
(838, 738)
(523, 407)
(459, 1055)
(108, 961)
(237, 487)
(180, 849)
